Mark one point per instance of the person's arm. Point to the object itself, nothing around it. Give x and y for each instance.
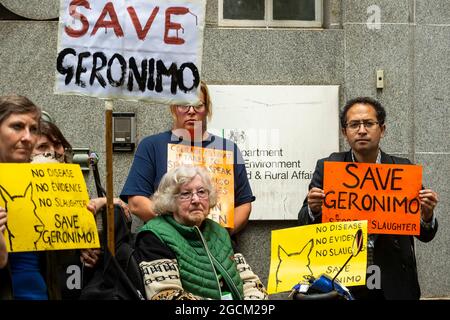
(3, 251)
(159, 269)
(241, 215)
(142, 207)
(311, 211)
(141, 181)
(252, 285)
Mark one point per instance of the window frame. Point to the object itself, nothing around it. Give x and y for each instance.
(268, 18)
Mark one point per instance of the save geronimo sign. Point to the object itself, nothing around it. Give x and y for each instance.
(47, 207)
(385, 195)
(131, 49)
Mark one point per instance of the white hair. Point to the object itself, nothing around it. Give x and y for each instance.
(164, 199)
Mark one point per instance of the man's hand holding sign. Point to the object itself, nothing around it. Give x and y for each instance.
(428, 200)
(389, 196)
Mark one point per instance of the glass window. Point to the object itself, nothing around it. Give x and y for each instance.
(294, 10)
(243, 9)
(270, 13)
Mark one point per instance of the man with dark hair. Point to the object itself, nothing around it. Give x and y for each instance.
(379, 109)
(363, 125)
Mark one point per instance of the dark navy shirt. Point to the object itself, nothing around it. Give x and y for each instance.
(150, 164)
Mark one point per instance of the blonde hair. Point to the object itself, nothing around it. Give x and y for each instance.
(164, 199)
(208, 103)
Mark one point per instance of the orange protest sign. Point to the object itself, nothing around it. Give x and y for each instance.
(383, 194)
(219, 164)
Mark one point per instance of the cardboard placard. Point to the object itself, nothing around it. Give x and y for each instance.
(383, 194)
(219, 164)
(300, 252)
(46, 205)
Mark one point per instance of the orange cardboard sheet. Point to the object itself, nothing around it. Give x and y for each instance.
(219, 164)
(383, 194)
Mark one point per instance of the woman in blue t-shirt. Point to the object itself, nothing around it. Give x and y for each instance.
(189, 128)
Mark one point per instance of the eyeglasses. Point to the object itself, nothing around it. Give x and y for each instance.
(187, 195)
(355, 125)
(197, 108)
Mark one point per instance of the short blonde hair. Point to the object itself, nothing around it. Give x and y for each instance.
(164, 199)
(208, 103)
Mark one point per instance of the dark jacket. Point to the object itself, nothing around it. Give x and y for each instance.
(394, 254)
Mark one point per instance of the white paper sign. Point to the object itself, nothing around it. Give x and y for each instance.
(281, 131)
(131, 49)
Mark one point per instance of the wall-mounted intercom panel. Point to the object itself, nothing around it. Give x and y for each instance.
(124, 131)
(380, 79)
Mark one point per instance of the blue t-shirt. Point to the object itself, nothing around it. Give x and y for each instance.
(27, 280)
(150, 164)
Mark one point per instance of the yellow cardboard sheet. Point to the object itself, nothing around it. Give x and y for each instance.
(46, 205)
(300, 252)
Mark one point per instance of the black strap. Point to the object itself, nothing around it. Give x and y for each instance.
(98, 185)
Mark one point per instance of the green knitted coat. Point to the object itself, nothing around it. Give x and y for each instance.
(200, 260)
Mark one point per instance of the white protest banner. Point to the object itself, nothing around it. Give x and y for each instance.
(131, 49)
(281, 131)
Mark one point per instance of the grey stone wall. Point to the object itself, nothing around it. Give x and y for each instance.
(411, 45)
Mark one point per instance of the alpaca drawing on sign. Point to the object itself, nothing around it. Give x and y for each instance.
(297, 262)
(16, 205)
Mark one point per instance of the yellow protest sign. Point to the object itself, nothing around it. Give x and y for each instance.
(300, 252)
(219, 164)
(46, 205)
